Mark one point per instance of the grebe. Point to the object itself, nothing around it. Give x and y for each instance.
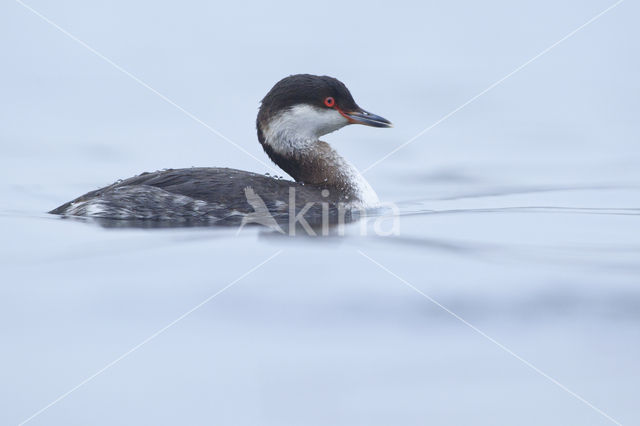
(292, 117)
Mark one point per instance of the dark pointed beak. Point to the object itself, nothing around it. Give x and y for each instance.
(364, 117)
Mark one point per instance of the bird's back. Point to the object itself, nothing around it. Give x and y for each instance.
(200, 194)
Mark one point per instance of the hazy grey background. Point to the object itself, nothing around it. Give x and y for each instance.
(320, 335)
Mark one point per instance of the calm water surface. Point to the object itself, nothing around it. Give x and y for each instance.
(519, 215)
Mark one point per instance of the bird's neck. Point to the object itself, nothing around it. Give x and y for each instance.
(314, 162)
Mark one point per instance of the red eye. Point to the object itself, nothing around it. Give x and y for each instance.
(329, 101)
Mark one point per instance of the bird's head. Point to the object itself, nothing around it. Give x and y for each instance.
(301, 108)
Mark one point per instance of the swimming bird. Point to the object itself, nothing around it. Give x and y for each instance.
(292, 117)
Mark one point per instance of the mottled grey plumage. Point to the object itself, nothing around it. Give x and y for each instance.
(200, 195)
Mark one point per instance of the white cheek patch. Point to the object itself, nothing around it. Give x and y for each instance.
(300, 126)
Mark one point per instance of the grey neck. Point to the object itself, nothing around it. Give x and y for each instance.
(314, 162)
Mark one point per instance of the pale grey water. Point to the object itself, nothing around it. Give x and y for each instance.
(520, 214)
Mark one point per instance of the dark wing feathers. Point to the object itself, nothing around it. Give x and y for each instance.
(221, 186)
